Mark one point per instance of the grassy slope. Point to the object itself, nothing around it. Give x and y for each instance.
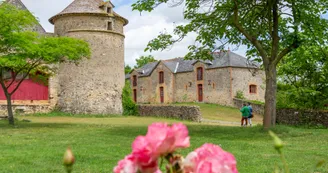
(98, 143)
(224, 113)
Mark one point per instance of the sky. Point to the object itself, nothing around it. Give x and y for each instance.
(140, 30)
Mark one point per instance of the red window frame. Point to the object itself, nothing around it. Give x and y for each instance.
(134, 80)
(161, 77)
(252, 89)
(200, 73)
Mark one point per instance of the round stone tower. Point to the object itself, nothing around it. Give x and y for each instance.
(95, 85)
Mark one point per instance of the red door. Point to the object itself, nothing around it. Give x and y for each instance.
(161, 92)
(200, 92)
(135, 95)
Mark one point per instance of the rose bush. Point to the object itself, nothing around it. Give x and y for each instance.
(161, 141)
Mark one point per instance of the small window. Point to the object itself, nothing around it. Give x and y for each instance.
(135, 95)
(252, 89)
(109, 10)
(134, 80)
(161, 77)
(199, 73)
(110, 26)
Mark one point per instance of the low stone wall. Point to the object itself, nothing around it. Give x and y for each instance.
(191, 113)
(257, 108)
(302, 117)
(25, 109)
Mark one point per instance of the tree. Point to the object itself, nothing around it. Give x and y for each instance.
(303, 78)
(127, 69)
(143, 60)
(270, 29)
(25, 53)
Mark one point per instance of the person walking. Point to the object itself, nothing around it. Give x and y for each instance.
(244, 114)
(250, 114)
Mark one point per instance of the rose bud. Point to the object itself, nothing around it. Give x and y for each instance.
(69, 160)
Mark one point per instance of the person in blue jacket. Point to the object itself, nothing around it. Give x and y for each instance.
(250, 114)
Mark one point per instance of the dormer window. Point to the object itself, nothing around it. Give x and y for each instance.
(161, 77)
(199, 73)
(110, 26)
(109, 10)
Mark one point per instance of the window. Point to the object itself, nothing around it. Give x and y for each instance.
(134, 80)
(110, 26)
(109, 10)
(161, 77)
(135, 95)
(199, 73)
(252, 89)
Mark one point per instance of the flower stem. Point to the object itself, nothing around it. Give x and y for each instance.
(282, 156)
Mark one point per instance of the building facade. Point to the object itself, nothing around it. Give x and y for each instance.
(94, 86)
(216, 81)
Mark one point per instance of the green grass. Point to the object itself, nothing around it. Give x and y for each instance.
(224, 113)
(98, 143)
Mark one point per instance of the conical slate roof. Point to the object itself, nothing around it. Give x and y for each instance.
(85, 7)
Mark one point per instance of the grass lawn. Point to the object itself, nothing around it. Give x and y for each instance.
(224, 113)
(98, 143)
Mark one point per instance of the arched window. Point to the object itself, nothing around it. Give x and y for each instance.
(161, 77)
(199, 73)
(252, 89)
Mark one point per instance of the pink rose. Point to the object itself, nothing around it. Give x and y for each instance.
(142, 152)
(210, 158)
(180, 132)
(161, 138)
(164, 139)
(126, 165)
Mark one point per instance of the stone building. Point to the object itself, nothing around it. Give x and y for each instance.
(216, 81)
(95, 85)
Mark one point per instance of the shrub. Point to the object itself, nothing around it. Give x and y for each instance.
(129, 107)
(240, 95)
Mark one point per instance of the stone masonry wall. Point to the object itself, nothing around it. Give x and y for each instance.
(95, 85)
(302, 117)
(191, 113)
(67, 23)
(25, 109)
(242, 78)
(217, 86)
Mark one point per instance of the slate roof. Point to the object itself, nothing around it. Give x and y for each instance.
(85, 6)
(180, 65)
(147, 69)
(20, 5)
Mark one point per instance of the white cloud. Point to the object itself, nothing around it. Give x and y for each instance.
(140, 30)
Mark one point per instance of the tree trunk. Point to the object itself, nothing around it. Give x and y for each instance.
(10, 110)
(270, 97)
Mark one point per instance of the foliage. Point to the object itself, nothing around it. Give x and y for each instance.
(303, 78)
(45, 138)
(240, 95)
(143, 60)
(28, 53)
(127, 69)
(269, 29)
(129, 107)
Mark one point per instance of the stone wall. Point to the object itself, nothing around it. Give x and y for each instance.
(217, 86)
(243, 77)
(191, 113)
(26, 109)
(302, 117)
(257, 108)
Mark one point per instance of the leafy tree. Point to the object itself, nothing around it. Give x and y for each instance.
(143, 60)
(269, 28)
(303, 78)
(25, 53)
(127, 69)
(129, 106)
